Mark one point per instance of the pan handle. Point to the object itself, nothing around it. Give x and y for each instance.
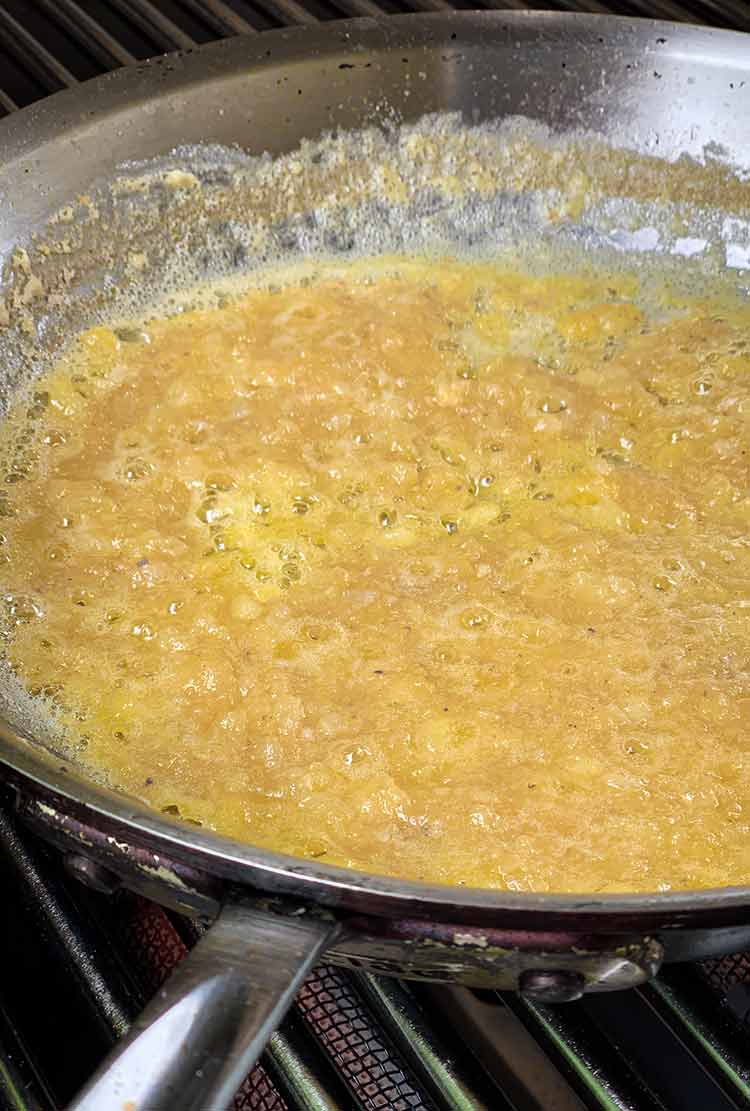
(204, 1030)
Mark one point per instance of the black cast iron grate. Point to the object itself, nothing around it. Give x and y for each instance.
(75, 967)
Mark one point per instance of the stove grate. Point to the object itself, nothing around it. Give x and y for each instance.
(77, 966)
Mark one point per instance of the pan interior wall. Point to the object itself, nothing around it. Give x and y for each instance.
(48, 46)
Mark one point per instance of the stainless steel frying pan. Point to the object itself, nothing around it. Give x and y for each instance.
(660, 91)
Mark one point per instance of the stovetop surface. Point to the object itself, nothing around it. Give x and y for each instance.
(76, 967)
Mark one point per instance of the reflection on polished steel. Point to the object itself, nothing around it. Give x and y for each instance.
(103, 34)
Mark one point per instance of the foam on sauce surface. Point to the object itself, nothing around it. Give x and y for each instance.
(432, 568)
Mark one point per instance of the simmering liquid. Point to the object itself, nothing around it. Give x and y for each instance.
(426, 567)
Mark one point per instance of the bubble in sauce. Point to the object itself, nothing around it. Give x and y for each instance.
(143, 630)
(22, 608)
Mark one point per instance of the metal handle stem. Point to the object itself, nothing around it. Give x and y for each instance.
(202, 1033)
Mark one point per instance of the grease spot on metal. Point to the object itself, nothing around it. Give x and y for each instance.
(478, 940)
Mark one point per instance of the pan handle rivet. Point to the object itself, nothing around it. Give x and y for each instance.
(561, 986)
(92, 874)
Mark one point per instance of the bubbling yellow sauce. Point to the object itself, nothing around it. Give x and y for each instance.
(427, 567)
